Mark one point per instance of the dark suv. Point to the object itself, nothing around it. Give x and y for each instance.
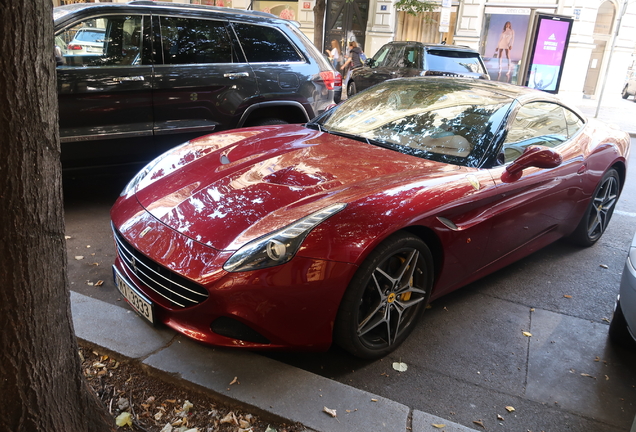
(409, 59)
(152, 75)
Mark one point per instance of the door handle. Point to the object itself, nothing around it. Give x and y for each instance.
(129, 78)
(234, 75)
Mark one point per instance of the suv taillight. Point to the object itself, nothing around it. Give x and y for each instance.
(74, 47)
(332, 79)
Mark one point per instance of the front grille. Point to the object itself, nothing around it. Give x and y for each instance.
(178, 290)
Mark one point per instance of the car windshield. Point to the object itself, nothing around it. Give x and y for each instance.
(443, 120)
(453, 61)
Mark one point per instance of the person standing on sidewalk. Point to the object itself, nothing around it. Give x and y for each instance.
(354, 59)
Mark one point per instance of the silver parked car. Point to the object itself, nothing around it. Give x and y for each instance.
(623, 326)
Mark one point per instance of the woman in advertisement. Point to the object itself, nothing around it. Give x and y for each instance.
(506, 40)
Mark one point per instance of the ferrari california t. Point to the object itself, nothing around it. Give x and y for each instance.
(343, 229)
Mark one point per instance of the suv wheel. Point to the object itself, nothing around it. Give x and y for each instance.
(351, 89)
(625, 94)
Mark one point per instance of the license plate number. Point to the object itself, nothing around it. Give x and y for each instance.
(138, 303)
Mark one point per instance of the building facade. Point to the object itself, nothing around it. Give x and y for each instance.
(598, 57)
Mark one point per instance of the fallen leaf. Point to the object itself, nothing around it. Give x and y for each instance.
(438, 426)
(606, 378)
(510, 409)
(187, 405)
(499, 417)
(331, 412)
(588, 375)
(479, 423)
(531, 309)
(235, 381)
(270, 429)
(567, 296)
(606, 319)
(124, 419)
(230, 418)
(528, 334)
(400, 367)
(79, 257)
(88, 246)
(374, 400)
(167, 428)
(604, 266)
(99, 283)
(243, 424)
(67, 237)
(158, 416)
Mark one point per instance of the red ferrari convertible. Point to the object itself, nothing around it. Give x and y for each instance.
(344, 228)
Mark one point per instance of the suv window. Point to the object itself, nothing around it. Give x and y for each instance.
(412, 57)
(536, 123)
(453, 61)
(381, 56)
(194, 41)
(265, 44)
(104, 41)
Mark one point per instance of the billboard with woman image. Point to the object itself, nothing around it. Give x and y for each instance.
(505, 31)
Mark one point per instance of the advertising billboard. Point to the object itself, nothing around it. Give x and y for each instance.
(504, 35)
(547, 55)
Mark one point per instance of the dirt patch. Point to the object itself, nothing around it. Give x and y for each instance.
(154, 405)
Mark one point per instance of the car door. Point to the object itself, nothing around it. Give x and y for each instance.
(535, 209)
(202, 82)
(384, 63)
(278, 65)
(104, 88)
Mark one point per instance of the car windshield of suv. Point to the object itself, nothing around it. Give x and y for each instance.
(442, 120)
(453, 61)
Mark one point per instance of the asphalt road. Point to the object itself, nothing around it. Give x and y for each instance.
(468, 358)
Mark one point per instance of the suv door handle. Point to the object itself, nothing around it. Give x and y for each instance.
(129, 78)
(234, 75)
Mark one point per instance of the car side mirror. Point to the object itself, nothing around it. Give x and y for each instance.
(533, 156)
(370, 62)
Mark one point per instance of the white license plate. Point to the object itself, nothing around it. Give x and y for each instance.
(142, 306)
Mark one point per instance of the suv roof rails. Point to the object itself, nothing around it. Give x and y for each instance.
(201, 7)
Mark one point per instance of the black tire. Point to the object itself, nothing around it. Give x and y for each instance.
(599, 211)
(385, 297)
(268, 122)
(351, 89)
(618, 331)
(625, 94)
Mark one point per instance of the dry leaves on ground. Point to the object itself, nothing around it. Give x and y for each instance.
(140, 402)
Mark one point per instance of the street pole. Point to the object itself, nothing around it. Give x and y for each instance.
(607, 65)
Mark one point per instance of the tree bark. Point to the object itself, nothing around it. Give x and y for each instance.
(319, 24)
(42, 388)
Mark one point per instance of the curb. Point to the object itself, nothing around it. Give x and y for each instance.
(273, 389)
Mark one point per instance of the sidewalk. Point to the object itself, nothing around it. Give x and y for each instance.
(268, 386)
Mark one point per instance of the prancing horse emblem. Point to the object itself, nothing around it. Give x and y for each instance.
(473, 181)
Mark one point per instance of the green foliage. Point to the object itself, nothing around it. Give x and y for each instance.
(415, 7)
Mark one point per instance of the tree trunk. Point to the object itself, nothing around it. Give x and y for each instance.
(319, 24)
(42, 388)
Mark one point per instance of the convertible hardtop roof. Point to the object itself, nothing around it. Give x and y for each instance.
(520, 93)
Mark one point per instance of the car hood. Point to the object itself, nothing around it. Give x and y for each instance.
(226, 189)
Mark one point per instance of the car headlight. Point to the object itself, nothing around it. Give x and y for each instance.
(130, 187)
(280, 246)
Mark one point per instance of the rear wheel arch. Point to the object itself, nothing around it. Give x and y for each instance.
(286, 111)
